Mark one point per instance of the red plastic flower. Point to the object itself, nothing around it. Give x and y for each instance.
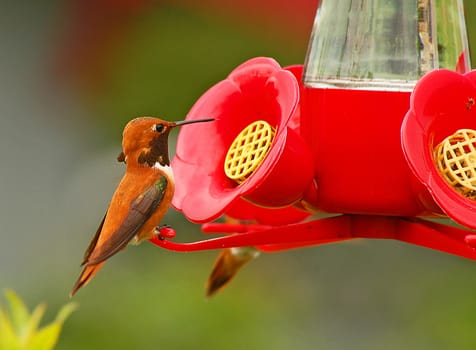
(442, 104)
(259, 89)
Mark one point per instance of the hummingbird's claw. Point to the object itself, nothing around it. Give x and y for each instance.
(164, 231)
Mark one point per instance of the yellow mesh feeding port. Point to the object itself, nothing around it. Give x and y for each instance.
(456, 160)
(248, 150)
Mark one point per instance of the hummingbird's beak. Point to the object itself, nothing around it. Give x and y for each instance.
(183, 122)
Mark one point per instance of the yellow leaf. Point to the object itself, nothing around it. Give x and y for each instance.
(46, 338)
(19, 313)
(8, 338)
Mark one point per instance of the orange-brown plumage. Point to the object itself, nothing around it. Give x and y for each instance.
(142, 197)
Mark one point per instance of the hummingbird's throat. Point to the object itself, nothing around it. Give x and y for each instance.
(157, 152)
(248, 150)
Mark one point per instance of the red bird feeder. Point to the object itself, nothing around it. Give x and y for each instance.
(378, 129)
(248, 151)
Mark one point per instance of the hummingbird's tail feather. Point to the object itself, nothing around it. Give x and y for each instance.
(86, 275)
(226, 266)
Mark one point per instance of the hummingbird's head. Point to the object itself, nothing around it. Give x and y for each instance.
(145, 140)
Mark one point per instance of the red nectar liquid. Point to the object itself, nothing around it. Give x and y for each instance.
(359, 164)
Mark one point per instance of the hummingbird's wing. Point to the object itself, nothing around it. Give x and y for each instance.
(142, 207)
(93, 242)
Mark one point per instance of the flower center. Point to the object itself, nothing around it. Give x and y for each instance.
(456, 160)
(248, 150)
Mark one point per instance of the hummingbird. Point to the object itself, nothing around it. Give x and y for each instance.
(228, 263)
(142, 197)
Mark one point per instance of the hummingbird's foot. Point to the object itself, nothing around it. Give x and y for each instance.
(164, 231)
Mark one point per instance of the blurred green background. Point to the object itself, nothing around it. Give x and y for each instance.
(71, 76)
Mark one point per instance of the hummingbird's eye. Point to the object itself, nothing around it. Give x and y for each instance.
(159, 127)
